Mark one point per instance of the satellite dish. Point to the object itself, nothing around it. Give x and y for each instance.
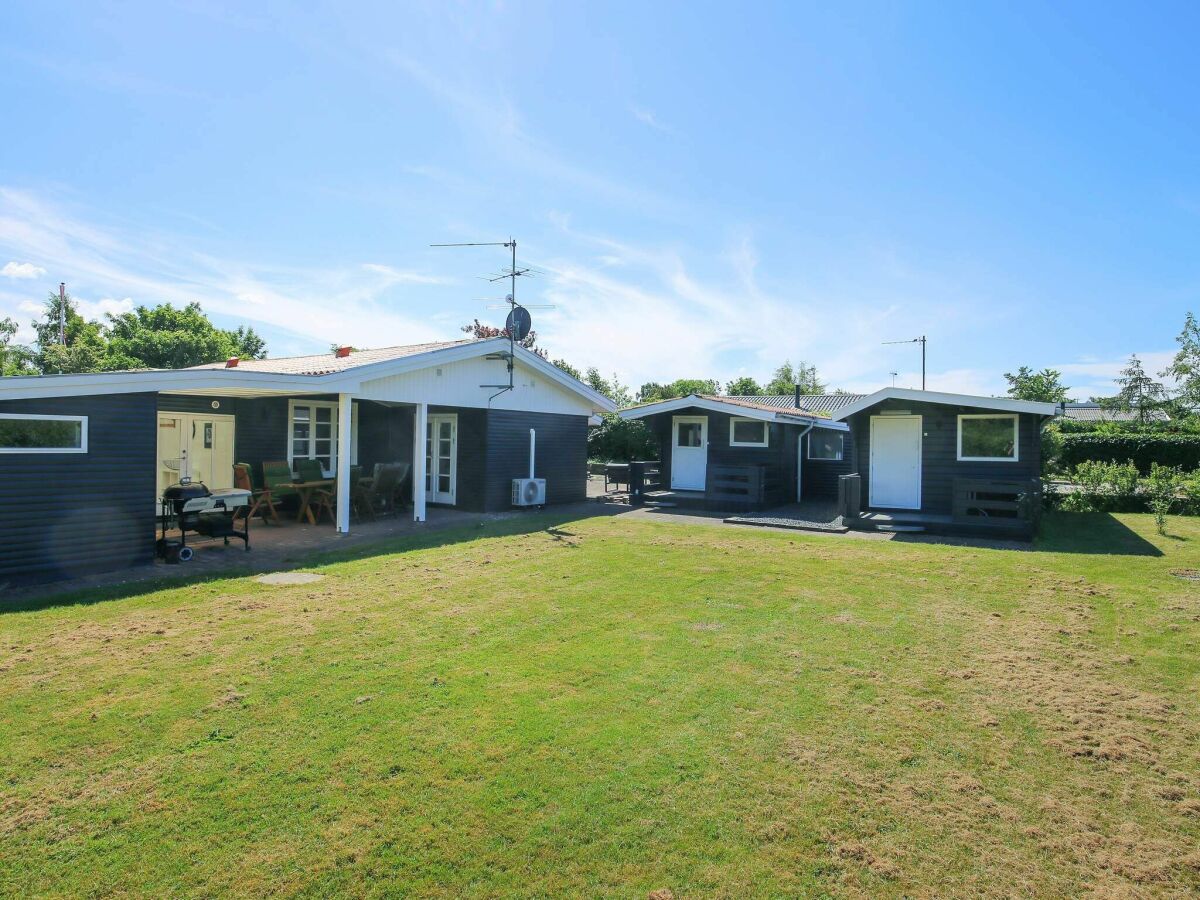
(518, 323)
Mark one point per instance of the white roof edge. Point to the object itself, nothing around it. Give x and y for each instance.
(349, 381)
(1004, 404)
(746, 412)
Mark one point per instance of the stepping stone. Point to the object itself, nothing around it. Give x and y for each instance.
(284, 578)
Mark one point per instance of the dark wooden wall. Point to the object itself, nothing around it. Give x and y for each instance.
(71, 514)
(820, 476)
(779, 456)
(939, 451)
(561, 456)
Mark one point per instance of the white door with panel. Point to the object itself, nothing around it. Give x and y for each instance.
(441, 458)
(195, 446)
(689, 452)
(896, 462)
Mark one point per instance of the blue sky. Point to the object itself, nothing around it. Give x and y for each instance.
(706, 189)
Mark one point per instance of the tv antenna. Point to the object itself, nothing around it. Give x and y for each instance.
(893, 374)
(519, 323)
(917, 340)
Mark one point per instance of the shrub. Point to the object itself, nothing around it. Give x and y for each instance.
(1180, 451)
(1103, 487)
(1162, 488)
(621, 440)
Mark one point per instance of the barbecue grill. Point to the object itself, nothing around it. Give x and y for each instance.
(191, 506)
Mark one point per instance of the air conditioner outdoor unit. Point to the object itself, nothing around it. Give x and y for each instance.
(529, 492)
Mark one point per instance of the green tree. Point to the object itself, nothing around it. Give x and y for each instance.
(788, 378)
(1184, 369)
(166, 337)
(611, 388)
(680, 387)
(743, 387)
(66, 342)
(15, 359)
(1045, 386)
(1139, 393)
(568, 368)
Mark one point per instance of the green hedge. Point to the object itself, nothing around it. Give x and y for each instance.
(1181, 450)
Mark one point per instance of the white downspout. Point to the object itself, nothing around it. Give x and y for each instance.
(800, 459)
(532, 449)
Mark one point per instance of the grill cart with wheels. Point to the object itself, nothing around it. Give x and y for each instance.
(191, 506)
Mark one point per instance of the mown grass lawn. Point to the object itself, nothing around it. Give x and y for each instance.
(612, 707)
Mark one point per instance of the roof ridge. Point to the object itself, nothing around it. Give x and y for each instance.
(329, 352)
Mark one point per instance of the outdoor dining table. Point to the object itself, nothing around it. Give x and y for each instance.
(306, 489)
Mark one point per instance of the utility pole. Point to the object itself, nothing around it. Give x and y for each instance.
(62, 313)
(917, 340)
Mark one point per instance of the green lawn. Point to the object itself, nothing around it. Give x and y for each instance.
(613, 707)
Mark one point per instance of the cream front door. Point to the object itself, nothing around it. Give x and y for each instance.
(441, 458)
(195, 446)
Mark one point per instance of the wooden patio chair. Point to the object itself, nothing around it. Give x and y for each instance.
(278, 478)
(380, 496)
(259, 497)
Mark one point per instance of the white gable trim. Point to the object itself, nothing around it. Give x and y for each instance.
(1004, 404)
(693, 401)
(235, 382)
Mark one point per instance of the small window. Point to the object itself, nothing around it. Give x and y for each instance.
(21, 433)
(690, 434)
(823, 444)
(987, 438)
(747, 433)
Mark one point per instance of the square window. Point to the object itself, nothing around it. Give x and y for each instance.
(688, 434)
(824, 444)
(748, 433)
(987, 438)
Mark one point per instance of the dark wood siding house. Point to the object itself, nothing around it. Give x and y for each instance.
(727, 453)
(957, 462)
(84, 457)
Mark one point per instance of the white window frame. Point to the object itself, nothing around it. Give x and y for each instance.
(766, 427)
(26, 417)
(841, 435)
(332, 405)
(1016, 420)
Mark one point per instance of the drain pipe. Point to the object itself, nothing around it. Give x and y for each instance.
(800, 457)
(532, 448)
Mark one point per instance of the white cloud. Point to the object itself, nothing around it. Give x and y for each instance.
(644, 314)
(22, 270)
(647, 117)
(353, 302)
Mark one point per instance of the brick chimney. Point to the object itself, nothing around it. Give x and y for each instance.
(342, 352)
(231, 363)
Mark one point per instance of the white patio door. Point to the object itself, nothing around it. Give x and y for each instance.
(689, 452)
(896, 462)
(441, 458)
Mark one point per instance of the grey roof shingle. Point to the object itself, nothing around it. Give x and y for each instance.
(327, 363)
(1094, 412)
(818, 403)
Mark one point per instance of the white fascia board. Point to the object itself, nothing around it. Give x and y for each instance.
(179, 381)
(1004, 404)
(733, 409)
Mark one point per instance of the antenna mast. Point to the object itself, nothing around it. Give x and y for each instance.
(917, 340)
(62, 313)
(514, 321)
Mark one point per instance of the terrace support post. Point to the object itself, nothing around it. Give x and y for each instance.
(420, 426)
(345, 424)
